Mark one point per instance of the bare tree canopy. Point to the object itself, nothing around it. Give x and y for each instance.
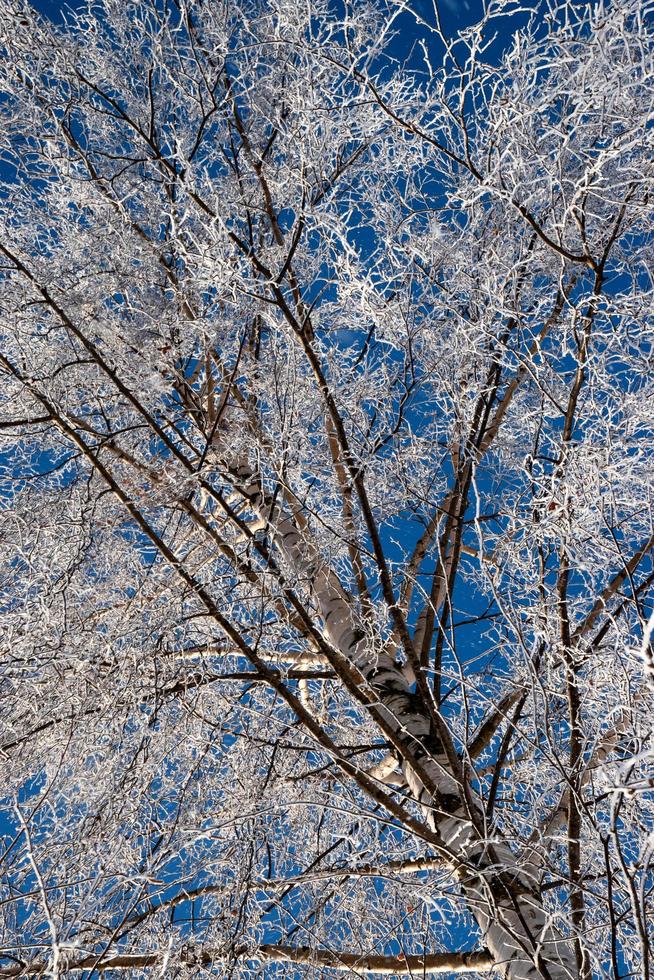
(327, 527)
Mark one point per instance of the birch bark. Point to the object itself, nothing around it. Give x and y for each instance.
(502, 894)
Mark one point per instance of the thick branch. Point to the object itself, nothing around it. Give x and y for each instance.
(420, 964)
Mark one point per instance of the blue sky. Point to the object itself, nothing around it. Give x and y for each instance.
(454, 13)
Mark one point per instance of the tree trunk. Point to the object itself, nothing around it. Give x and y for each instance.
(503, 897)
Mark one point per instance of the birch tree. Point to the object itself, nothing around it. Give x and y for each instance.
(327, 420)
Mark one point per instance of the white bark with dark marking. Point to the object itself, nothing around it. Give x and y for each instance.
(503, 897)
